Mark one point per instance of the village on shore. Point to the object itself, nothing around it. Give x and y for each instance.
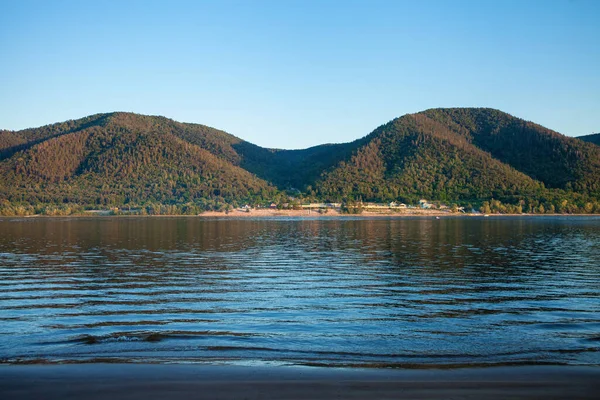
(341, 209)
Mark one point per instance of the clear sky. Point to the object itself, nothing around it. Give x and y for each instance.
(293, 74)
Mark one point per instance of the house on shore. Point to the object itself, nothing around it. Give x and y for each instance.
(314, 206)
(425, 204)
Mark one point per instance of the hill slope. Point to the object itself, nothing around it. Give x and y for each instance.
(463, 154)
(593, 138)
(414, 157)
(125, 159)
(554, 159)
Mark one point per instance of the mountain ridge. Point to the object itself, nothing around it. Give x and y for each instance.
(465, 155)
(592, 138)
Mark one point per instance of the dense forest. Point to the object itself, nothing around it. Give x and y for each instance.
(125, 160)
(474, 157)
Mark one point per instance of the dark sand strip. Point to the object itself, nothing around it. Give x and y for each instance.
(148, 382)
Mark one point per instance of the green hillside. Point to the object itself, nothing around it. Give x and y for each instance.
(554, 159)
(124, 159)
(467, 156)
(415, 157)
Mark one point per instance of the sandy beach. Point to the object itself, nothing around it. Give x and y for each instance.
(144, 381)
(367, 214)
(268, 212)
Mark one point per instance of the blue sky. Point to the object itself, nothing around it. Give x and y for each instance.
(293, 74)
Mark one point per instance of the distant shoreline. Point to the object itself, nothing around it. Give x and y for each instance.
(366, 214)
(315, 214)
(270, 213)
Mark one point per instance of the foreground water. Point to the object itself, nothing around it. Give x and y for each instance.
(341, 292)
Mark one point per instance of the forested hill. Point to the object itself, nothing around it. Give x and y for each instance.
(593, 138)
(126, 159)
(465, 154)
(460, 155)
(554, 159)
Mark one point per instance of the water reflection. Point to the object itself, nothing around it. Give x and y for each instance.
(323, 291)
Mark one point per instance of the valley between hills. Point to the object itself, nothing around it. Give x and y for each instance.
(459, 158)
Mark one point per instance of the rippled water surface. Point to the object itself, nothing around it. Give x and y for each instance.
(352, 292)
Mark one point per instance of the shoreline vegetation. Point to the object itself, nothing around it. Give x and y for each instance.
(312, 210)
(274, 213)
(292, 206)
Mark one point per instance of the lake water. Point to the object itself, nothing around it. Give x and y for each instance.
(336, 292)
